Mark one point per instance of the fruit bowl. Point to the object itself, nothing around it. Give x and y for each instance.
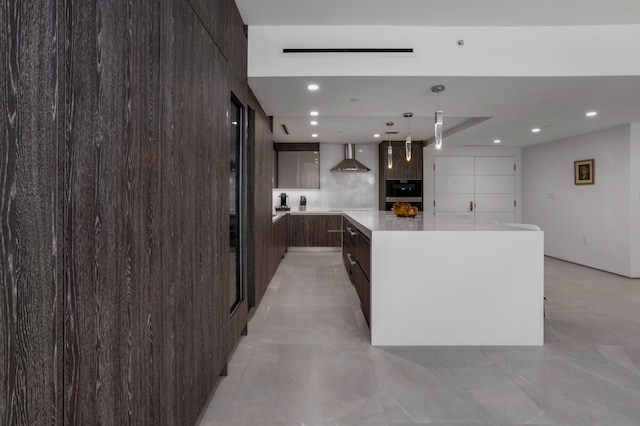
(405, 210)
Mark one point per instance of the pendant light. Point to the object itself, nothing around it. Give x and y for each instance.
(389, 148)
(438, 117)
(407, 143)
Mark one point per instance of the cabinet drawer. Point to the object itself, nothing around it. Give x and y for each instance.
(349, 233)
(309, 230)
(363, 288)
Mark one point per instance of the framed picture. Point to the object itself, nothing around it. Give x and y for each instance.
(584, 172)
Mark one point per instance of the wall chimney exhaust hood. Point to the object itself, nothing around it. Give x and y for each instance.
(350, 164)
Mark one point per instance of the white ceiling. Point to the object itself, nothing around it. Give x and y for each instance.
(352, 109)
(440, 12)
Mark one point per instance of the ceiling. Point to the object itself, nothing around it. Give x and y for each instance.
(439, 12)
(352, 109)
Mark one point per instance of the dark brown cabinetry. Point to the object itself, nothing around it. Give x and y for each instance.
(356, 253)
(401, 169)
(279, 237)
(315, 230)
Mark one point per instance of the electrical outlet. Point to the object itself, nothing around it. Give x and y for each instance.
(585, 240)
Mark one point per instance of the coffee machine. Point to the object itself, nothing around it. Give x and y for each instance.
(284, 203)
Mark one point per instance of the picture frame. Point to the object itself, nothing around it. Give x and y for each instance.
(584, 172)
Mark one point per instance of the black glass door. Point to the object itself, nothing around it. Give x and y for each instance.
(235, 203)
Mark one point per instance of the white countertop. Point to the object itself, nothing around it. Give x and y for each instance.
(374, 221)
(277, 215)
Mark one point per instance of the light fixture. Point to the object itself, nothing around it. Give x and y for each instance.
(313, 87)
(314, 123)
(313, 113)
(591, 113)
(407, 143)
(438, 116)
(389, 148)
(535, 130)
(315, 135)
(497, 141)
(376, 135)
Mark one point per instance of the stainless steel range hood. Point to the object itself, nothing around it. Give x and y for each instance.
(350, 164)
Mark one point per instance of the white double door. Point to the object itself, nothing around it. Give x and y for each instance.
(479, 188)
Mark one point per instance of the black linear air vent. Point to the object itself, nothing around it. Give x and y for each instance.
(390, 133)
(351, 50)
(285, 129)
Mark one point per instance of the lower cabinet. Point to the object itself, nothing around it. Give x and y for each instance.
(279, 233)
(356, 254)
(314, 230)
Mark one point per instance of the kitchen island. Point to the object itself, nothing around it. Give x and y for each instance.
(442, 280)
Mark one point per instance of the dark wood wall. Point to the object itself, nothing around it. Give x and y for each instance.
(30, 260)
(114, 212)
(263, 233)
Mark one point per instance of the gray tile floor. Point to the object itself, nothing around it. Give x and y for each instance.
(307, 360)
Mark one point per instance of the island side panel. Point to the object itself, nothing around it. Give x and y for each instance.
(457, 288)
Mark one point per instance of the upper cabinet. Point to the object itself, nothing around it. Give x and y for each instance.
(400, 167)
(297, 165)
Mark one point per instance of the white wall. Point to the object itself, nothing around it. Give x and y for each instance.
(635, 200)
(340, 190)
(488, 51)
(585, 224)
(429, 154)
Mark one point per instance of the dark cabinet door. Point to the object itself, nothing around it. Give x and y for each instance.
(363, 288)
(401, 169)
(309, 230)
(363, 253)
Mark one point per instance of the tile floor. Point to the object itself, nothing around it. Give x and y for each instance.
(307, 360)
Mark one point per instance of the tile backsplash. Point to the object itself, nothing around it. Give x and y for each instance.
(339, 190)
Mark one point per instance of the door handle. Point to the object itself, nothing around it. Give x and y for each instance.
(351, 261)
(351, 232)
(470, 206)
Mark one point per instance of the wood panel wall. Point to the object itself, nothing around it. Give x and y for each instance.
(30, 261)
(114, 207)
(262, 233)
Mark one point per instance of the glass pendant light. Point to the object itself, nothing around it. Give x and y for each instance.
(389, 148)
(438, 117)
(407, 143)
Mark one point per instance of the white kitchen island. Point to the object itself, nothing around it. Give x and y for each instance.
(442, 280)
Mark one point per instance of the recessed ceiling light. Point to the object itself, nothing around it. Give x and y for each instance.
(497, 141)
(591, 113)
(377, 135)
(535, 130)
(313, 113)
(313, 87)
(354, 99)
(315, 135)
(314, 123)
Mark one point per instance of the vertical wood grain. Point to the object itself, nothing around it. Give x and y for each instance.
(112, 297)
(142, 320)
(97, 102)
(112, 228)
(263, 235)
(30, 289)
(214, 16)
(195, 217)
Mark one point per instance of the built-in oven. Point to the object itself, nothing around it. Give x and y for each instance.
(403, 191)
